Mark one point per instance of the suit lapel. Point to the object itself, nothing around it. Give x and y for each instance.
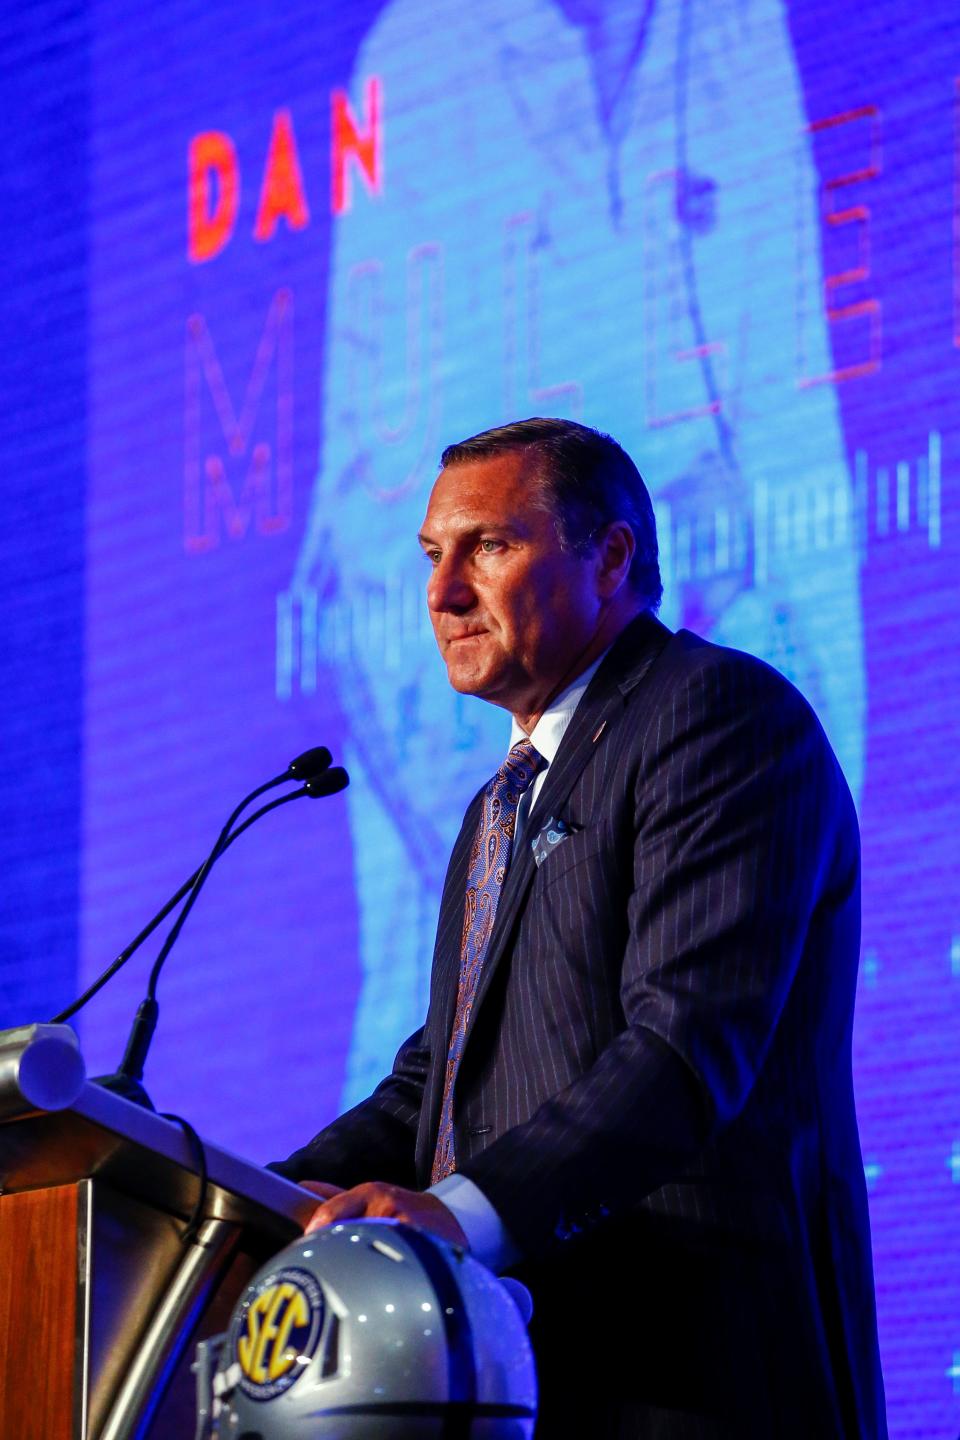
(594, 720)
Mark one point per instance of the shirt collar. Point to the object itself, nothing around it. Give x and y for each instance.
(549, 729)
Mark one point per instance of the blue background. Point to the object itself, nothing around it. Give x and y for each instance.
(518, 256)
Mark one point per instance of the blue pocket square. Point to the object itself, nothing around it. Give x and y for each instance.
(546, 840)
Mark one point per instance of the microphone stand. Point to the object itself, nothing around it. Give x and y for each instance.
(319, 779)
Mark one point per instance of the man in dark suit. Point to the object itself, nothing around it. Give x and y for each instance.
(633, 1087)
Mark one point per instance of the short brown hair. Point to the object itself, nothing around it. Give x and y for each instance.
(588, 480)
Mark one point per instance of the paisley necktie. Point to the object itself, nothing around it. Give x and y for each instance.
(489, 860)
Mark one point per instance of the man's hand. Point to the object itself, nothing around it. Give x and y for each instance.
(375, 1201)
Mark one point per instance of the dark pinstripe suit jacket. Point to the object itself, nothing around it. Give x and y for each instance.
(655, 1091)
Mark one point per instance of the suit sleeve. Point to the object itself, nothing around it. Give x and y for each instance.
(738, 807)
(376, 1139)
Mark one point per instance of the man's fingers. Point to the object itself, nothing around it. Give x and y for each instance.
(342, 1205)
(321, 1188)
(324, 1191)
(375, 1200)
(389, 1202)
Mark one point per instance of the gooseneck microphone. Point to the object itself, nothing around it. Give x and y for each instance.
(318, 778)
(311, 766)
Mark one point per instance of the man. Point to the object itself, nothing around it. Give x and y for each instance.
(633, 1085)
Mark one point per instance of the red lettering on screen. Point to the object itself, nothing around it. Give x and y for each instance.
(213, 194)
(836, 217)
(352, 146)
(281, 193)
(212, 504)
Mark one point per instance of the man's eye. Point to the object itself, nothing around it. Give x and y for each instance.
(489, 547)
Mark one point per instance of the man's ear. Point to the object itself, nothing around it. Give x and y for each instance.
(616, 548)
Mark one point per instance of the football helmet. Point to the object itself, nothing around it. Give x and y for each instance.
(369, 1328)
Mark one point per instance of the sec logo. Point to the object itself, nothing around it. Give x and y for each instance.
(276, 1331)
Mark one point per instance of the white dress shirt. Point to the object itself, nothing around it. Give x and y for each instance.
(488, 1238)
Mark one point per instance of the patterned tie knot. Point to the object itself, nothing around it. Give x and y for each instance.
(515, 775)
(517, 772)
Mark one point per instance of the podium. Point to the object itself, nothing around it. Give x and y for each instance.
(104, 1293)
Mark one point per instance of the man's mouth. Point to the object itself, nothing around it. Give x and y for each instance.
(460, 636)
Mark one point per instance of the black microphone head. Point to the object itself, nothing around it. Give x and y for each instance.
(327, 783)
(311, 762)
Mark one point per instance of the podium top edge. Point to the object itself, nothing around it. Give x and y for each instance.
(43, 1083)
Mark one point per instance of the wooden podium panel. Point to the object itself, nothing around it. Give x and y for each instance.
(104, 1292)
(39, 1271)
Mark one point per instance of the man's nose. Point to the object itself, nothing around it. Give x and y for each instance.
(448, 588)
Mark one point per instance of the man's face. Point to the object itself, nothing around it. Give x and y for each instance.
(512, 612)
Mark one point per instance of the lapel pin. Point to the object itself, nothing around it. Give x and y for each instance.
(599, 731)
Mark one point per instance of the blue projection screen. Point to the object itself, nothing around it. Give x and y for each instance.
(314, 247)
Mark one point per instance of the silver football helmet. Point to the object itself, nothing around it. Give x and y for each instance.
(369, 1329)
